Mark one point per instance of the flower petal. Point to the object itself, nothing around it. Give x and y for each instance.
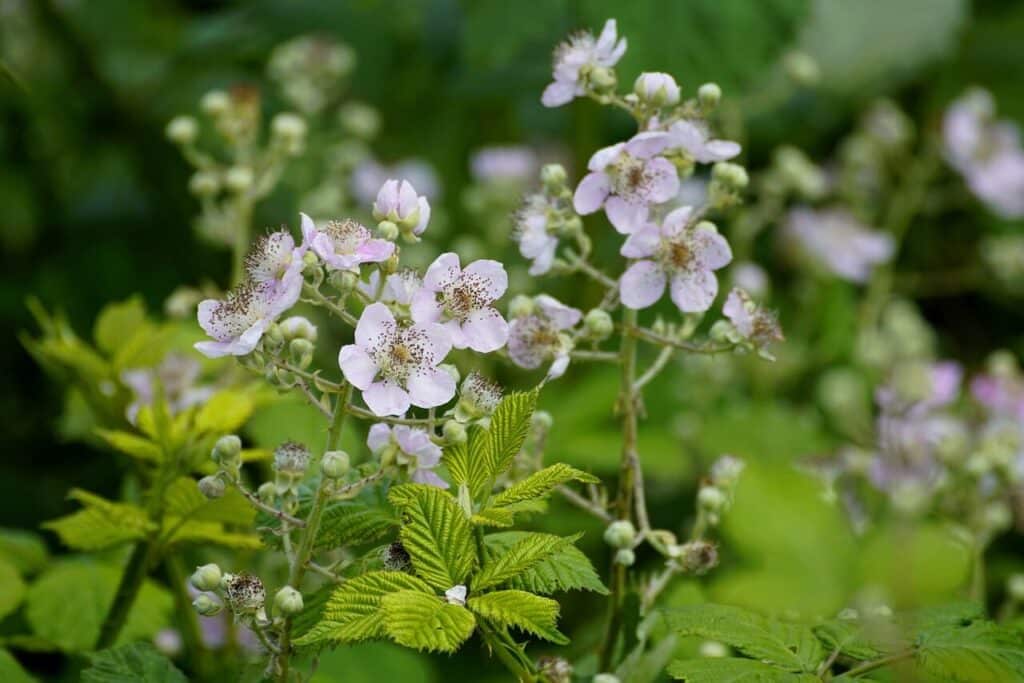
(714, 250)
(485, 330)
(386, 398)
(600, 159)
(625, 217)
(375, 325)
(375, 251)
(663, 180)
(491, 275)
(308, 229)
(357, 366)
(426, 476)
(431, 387)
(694, 292)
(645, 145)
(443, 270)
(554, 310)
(591, 193)
(558, 93)
(424, 307)
(642, 284)
(642, 243)
(378, 437)
(720, 150)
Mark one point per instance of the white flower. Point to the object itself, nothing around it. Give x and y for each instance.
(694, 138)
(537, 241)
(575, 57)
(456, 595)
(399, 203)
(839, 242)
(540, 336)
(657, 88)
(344, 245)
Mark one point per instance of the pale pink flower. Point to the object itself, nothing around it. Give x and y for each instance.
(413, 449)
(677, 255)
(396, 366)
(504, 164)
(176, 377)
(1002, 395)
(754, 323)
(837, 241)
(577, 56)
(625, 179)
(344, 245)
(398, 202)
(398, 288)
(540, 336)
(694, 138)
(461, 301)
(537, 241)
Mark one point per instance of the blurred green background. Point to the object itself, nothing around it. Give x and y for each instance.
(94, 207)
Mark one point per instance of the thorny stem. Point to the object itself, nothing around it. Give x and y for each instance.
(653, 337)
(318, 298)
(269, 509)
(585, 504)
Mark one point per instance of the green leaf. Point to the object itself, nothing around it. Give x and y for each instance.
(23, 549)
(133, 445)
(130, 664)
(426, 622)
(790, 646)
(225, 412)
(566, 569)
(350, 523)
(352, 612)
(981, 651)
(509, 426)
(521, 556)
(525, 611)
(11, 671)
(101, 523)
(733, 670)
(541, 484)
(468, 463)
(496, 517)
(193, 531)
(118, 322)
(67, 604)
(436, 534)
(12, 588)
(183, 499)
(850, 637)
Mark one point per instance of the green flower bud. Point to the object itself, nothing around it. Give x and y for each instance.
(207, 606)
(603, 79)
(301, 352)
(598, 324)
(711, 498)
(335, 464)
(454, 432)
(553, 176)
(542, 420)
(388, 230)
(802, 68)
(182, 130)
(267, 492)
(239, 179)
(709, 95)
(657, 89)
(625, 557)
(606, 678)
(359, 120)
(204, 184)
(206, 578)
(1015, 587)
(215, 102)
(288, 601)
(211, 487)
(519, 306)
(227, 450)
(722, 331)
(620, 534)
(731, 175)
(273, 338)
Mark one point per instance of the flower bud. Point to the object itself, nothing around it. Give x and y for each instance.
(290, 462)
(657, 89)
(182, 130)
(606, 678)
(288, 601)
(301, 352)
(238, 179)
(625, 557)
(711, 498)
(206, 578)
(731, 175)
(343, 280)
(519, 306)
(215, 102)
(554, 669)
(227, 450)
(211, 487)
(206, 606)
(291, 128)
(359, 120)
(388, 230)
(454, 432)
(726, 471)
(802, 68)
(335, 464)
(204, 184)
(267, 492)
(298, 327)
(603, 79)
(722, 331)
(620, 534)
(1015, 587)
(542, 420)
(553, 176)
(709, 95)
(598, 325)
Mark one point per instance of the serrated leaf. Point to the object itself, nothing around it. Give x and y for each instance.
(118, 322)
(11, 671)
(790, 646)
(525, 611)
(133, 445)
(541, 484)
(12, 588)
(100, 524)
(508, 428)
(194, 531)
(350, 523)
(733, 670)
(521, 556)
(496, 517)
(851, 638)
(426, 622)
(981, 651)
(23, 549)
(224, 413)
(566, 569)
(468, 463)
(352, 612)
(131, 663)
(183, 499)
(436, 534)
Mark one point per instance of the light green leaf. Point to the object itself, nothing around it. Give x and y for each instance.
(508, 428)
(541, 484)
(118, 322)
(348, 523)
(23, 549)
(352, 612)
(981, 651)
(68, 602)
(733, 670)
(132, 445)
(193, 531)
(183, 499)
(426, 622)
(521, 556)
(130, 664)
(436, 534)
(852, 638)
(11, 671)
(101, 523)
(496, 517)
(566, 569)
(468, 463)
(12, 588)
(525, 611)
(225, 412)
(790, 646)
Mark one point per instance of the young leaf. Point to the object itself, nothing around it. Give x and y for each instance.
(733, 670)
(131, 663)
(468, 463)
(540, 484)
(789, 646)
(564, 570)
(350, 523)
(183, 499)
(100, 524)
(12, 588)
(117, 322)
(509, 426)
(525, 611)
(851, 638)
(192, 531)
(352, 612)
(436, 534)
(521, 556)
(981, 651)
(426, 622)
(224, 413)
(11, 671)
(133, 445)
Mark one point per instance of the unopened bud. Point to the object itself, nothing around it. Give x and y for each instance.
(520, 306)
(289, 127)
(359, 120)
(215, 102)
(709, 95)
(267, 492)
(553, 176)
(298, 327)
(802, 68)
(657, 89)
(454, 432)
(598, 324)
(606, 678)
(620, 534)
(301, 352)
(227, 450)
(711, 498)
(697, 556)
(204, 184)
(238, 179)
(206, 606)
(182, 130)
(730, 174)
(206, 578)
(625, 557)
(335, 464)
(542, 420)
(211, 487)
(288, 601)
(388, 230)
(603, 79)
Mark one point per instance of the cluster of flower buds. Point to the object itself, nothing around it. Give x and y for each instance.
(621, 535)
(311, 71)
(227, 454)
(243, 594)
